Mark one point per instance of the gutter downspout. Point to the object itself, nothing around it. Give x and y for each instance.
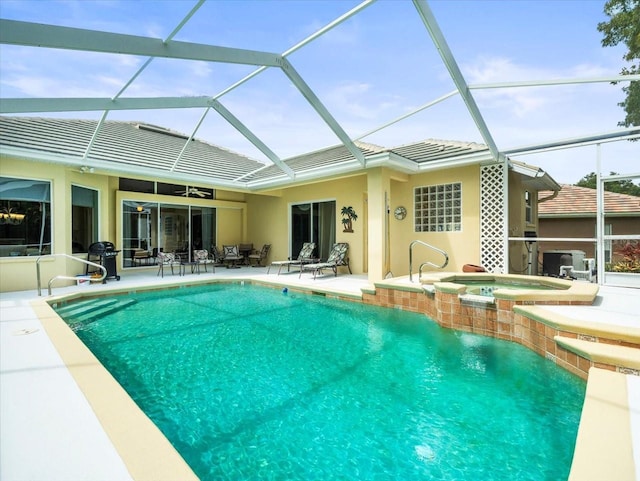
(549, 197)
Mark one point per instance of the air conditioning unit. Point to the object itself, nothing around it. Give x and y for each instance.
(553, 260)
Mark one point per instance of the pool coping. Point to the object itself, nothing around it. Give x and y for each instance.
(605, 426)
(145, 451)
(143, 448)
(565, 290)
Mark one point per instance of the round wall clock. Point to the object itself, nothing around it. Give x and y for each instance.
(400, 213)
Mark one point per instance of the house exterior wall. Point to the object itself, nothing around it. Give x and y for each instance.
(378, 245)
(578, 227)
(268, 219)
(268, 215)
(19, 273)
(463, 247)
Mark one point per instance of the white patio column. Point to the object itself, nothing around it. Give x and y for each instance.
(378, 184)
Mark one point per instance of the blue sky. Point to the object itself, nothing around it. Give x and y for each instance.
(373, 68)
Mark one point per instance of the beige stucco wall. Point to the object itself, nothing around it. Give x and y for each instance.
(378, 245)
(19, 273)
(582, 227)
(268, 215)
(463, 247)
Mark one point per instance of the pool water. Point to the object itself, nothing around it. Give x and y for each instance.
(249, 382)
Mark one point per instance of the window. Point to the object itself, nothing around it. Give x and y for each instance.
(25, 217)
(438, 208)
(135, 185)
(162, 188)
(528, 208)
(84, 218)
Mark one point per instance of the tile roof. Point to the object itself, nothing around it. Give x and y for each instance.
(121, 144)
(575, 201)
(139, 148)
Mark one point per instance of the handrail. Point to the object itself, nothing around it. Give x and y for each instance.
(440, 251)
(102, 268)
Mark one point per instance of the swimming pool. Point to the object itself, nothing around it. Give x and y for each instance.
(248, 382)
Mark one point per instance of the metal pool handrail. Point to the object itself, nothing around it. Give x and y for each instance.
(428, 263)
(102, 268)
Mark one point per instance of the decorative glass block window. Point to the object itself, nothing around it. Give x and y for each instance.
(438, 208)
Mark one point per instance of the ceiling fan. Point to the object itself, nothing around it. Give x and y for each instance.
(193, 191)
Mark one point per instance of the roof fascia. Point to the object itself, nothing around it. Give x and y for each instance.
(449, 60)
(536, 174)
(393, 161)
(30, 34)
(119, 169)
(315, 174)
(587, 215)
(383, 159)
(566, 215)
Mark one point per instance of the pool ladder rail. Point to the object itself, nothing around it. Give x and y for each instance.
(70, 278)
(427, 263)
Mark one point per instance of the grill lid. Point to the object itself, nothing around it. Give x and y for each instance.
(102, 247)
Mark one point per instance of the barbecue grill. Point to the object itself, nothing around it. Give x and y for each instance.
(103, 253)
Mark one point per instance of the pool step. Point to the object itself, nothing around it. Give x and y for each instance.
(87, 311)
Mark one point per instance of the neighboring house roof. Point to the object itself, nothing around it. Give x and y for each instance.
(575, 201)
(136, 148)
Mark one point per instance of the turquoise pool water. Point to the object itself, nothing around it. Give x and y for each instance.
(251, 383)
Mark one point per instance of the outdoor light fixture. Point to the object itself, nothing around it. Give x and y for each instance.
(85, 169)
(8, 216)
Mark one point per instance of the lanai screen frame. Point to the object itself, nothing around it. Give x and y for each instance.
(49, 36)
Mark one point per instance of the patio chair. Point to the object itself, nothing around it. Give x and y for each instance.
(216, 256)
(201, 257)
(305, 257)
(337, 257)
(167, 259)
(260, 256)
(231, 255)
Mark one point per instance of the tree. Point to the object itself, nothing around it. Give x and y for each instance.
(619, 186)
(624, 26)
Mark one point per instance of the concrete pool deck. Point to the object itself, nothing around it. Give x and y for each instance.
(51, 430)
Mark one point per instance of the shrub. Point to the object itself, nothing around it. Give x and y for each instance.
(630, 254)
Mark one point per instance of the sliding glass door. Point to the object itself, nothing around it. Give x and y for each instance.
(149, 227)
(203, 227)
(313, 222)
